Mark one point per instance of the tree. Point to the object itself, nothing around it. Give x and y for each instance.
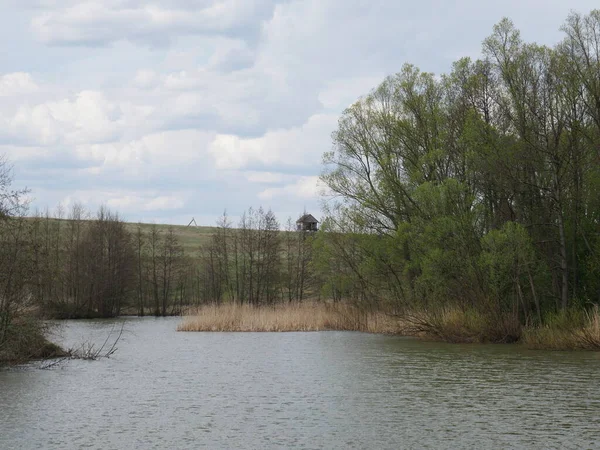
(20, 334)
(140, 247)
(170, 259)
(444, 169)
(109, 269)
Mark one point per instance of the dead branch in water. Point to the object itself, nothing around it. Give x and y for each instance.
(88, 351)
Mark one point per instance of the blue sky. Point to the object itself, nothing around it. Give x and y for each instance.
(171, 110)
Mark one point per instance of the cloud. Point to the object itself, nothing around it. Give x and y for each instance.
(88, 117)
(102, 23)
(231, 55)
(342, 93)
(298, 146)
(155, 152)
(302, 188)
(18, 154)
(201, 105)
(146, 79)
(264, 177)
(131, 202)
(18, 83)
(164, 202)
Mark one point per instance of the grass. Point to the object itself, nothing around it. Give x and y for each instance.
(570, 330)
(306, 316)
(458, 325)
(191, 238)
(565, 331)
(575, 329)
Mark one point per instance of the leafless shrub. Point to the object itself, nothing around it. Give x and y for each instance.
(89, 351)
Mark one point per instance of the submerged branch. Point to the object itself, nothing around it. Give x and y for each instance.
(88, 351)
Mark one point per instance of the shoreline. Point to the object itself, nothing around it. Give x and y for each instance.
(288, 317)
(450, 325)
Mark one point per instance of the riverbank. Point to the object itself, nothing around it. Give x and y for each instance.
(573, 330)
(566, 331)
(26, 341)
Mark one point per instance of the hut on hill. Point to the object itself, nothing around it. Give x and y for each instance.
(307, 223)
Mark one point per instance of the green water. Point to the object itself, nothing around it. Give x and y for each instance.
(329, 390)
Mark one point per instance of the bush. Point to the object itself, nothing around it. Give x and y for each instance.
(572, 329)
(453, 324)
(25, 340)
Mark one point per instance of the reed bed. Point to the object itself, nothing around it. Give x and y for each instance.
(448, 324)
(305, 316)
(566, 332)
(457, 325)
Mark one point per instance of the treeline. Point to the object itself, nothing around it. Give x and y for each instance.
(256, 263)
(14, 270)
(99, 266)
(80, 267)
(88, 265)
(74, 264)
(22, 336)
(477, 189)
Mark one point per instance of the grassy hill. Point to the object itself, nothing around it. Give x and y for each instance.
(191, 237)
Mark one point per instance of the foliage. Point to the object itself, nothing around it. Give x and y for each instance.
(475, 190)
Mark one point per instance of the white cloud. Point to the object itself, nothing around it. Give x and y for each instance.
(298, 146)
(88, 117)
(128, 201)
(123, 202)
(18, 83)
(302, 188)
(152, 154)
(230, 55)
(21, 155)
(100, 23)
(342, 93)
(146, 79)
(264, 177)
(164, 202)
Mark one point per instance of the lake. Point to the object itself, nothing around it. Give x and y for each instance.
(164, 389)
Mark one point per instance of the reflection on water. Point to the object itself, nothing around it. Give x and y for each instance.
(164, 389)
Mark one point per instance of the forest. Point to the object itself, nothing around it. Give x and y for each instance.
(475, 190)
(465, 203)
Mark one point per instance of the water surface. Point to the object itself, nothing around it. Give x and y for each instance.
(329, 390)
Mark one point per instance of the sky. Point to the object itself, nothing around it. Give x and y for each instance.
(169, 110)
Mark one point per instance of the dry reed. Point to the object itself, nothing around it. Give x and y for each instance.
(445, 324)
(305, 316)
(566, 334)
(453, 324)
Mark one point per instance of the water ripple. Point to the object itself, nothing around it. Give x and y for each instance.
(164, 389)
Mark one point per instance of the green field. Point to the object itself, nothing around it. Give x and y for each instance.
(191, 238)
